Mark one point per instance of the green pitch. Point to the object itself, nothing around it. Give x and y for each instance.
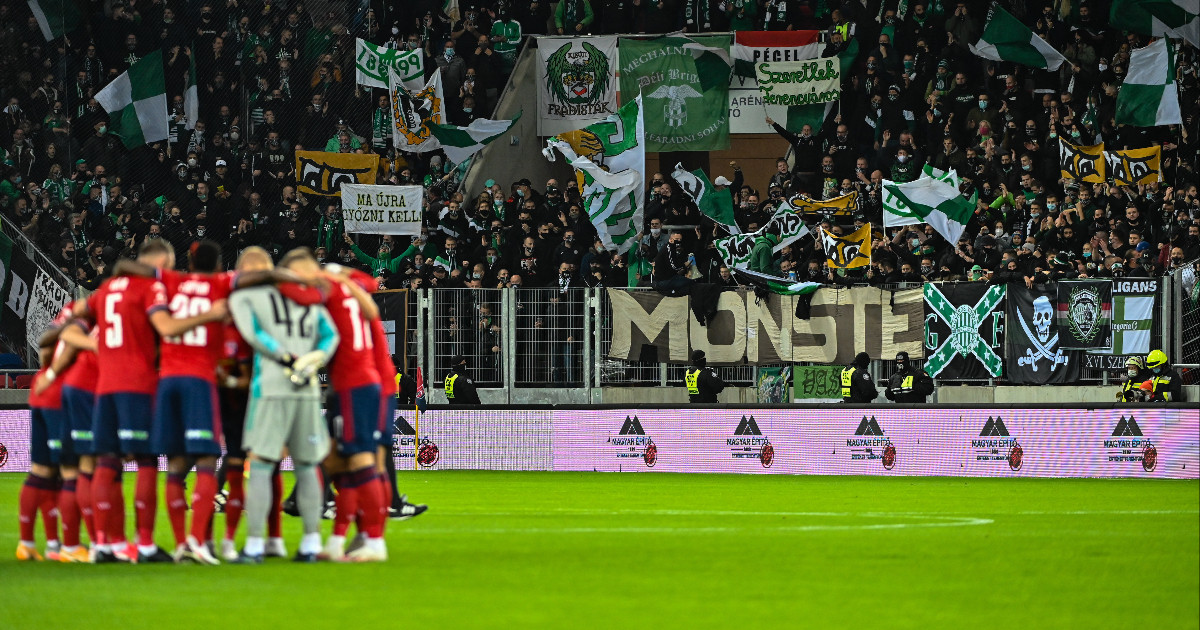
(514, 550)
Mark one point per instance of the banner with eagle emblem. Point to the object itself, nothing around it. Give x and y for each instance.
(579, 84)
(685, 82)
(609, 158)
(413, 112)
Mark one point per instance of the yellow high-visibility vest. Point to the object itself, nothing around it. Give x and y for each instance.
(450, 386)
(691, 378)
(847, 377)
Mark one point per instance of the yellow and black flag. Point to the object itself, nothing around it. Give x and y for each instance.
(850, 251)
(1081, 163)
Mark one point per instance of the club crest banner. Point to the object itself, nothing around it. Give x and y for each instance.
(1085, 314)
(323, 174)
(578, 85)
(964, 330)
(1034, 351)
(413, 112)
(684, 82)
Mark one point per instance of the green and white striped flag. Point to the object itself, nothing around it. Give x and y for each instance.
(1005, 38)
(1148, 96)
(928, 200)
(613, 195)
(1131, 322)
(774, 284)
(55, 17)
(1160, 18)
(460, 143)
(371, 64)
(714, 204)
(191, 97)
(136, 102)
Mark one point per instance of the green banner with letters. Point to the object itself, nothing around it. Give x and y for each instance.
(684, 83)
(818, 381)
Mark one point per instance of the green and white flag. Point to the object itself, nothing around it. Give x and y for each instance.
(1005, 38)
(55, 17)
(1148, 97)
(579, 84)
(1160, 18)
(685, 82)
(786, 223)
(609, 158)
(774, 284)
(928, 200)
(136, 102)
(460, 143)
(714, 204)
(191, 96)
(371, 65)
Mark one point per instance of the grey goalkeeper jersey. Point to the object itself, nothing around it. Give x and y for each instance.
(274, 326)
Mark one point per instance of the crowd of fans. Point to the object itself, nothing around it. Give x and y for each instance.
(273, 78)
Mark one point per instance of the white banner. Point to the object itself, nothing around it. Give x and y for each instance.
(370, 209)
(798, 83)
(45, 302)
(746, 106)
(371, 65)
(577, 84)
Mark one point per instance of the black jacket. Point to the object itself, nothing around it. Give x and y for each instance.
(857, 386)
(702, 384)
(909, 387)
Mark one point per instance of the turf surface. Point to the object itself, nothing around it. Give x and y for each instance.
(594, 550)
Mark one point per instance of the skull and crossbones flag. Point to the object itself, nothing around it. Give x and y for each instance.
(1034, 352)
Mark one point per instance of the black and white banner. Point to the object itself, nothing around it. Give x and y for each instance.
(1033, 348)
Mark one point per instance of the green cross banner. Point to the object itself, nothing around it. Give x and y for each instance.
(964, 330)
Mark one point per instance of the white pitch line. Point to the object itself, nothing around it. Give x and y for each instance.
(946, 521)
(614, 512)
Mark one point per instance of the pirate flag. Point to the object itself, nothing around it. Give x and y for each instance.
(1033, 346)
(964, 330)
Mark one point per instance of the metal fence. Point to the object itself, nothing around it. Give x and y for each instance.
(1185, 317)
(547, 338)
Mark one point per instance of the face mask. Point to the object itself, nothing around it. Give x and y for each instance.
(234, 137)
(103, 129)
(1132, 373)
(842, 137)
(449, 54)
(656, 231)
(1027, 167)
(893, 97)
(516, 285)
(200, 233)
(982, 104)
(468, 110)
(915, 243)
(1051, 207)
(908, 64)
(1103, 67)
(902, 158)
(192, 162)
(1031, 130)
(1035, 214)
(202, 197)
(871, 66)
(926, 269)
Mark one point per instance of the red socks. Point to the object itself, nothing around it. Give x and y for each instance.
(346, 503)
(38, 494)
(83, 497)
(237, 498)
(364, 500)
(385, 488)
(202, 502)
(177, 506)
(145, 500)
(108, 501)
(68, 511)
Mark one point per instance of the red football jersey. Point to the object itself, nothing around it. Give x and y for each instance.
(83, 372)
(197, 351)
(383, 359)
(236, 347)
(52, 397)
(128, 343)
(353, 363)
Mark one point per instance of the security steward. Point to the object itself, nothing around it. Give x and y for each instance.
(1168, 384)
(857, 386)
(460, 389)
(907, 385)
(702, 382)
(1135, 375)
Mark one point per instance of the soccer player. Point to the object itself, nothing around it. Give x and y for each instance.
(72, 367)
(129, 311)
(186, 424)
(40, 490)
(291, 342)
(354, 408)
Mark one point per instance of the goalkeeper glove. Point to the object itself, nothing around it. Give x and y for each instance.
(306, 365)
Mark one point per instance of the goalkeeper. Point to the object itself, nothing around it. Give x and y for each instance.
(291, 342)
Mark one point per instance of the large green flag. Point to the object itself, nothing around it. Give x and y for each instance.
(685, 82)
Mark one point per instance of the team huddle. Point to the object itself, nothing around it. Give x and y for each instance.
(159, 362)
